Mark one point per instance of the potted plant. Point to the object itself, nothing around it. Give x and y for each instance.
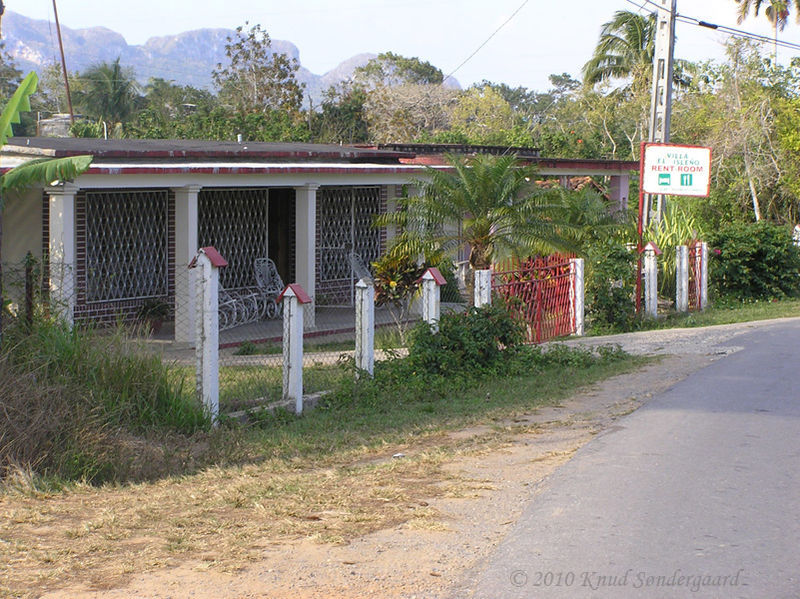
(152, 314)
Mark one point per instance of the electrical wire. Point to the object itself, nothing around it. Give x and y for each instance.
(486, 41)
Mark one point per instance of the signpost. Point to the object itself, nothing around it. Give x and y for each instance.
(669, 169)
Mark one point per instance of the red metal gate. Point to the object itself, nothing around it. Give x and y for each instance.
(541, 291)
(695, 273)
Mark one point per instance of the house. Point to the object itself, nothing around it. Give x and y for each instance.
(125, 231)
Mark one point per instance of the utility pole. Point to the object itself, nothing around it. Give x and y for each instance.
(64, 66)
(661, 100)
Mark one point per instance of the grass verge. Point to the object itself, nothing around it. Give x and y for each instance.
(328, 476)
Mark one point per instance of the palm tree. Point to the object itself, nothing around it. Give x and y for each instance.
(488, 204)
(776, 11)
(625, 49)
(109, 92)
(42, 170)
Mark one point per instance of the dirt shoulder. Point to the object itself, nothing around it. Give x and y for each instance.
(458, 509)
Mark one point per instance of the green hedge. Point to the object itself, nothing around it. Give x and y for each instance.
(754, 261)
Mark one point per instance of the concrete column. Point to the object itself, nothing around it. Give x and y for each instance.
(306, 246)
(682, 278)
(365, 326)
(431, 298)
(703, 276)
(650, 283)
(63, 250)
(207, 262)
(186, 246)
(619, 190)
(578, 293)
(293, 298)
(483, 288)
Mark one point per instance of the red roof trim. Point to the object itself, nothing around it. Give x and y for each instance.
(438, 278)
(298, 292)
(99, 169)
(213, 255)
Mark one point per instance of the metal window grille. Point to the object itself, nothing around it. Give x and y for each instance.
(126, 244)
(344, 224)
(234, 221)
(695, 273)
(538, 290)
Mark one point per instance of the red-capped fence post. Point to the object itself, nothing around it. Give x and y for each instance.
(431, 281)
(293, 297)
(209, 261)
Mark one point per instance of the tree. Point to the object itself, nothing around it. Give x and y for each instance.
(391, 69)
(488, 204)
(407, 112)
(43, 170)
(625, 49)
(776, 11)
(257, 79)
(109, 92)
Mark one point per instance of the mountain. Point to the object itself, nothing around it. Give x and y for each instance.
(187, 58)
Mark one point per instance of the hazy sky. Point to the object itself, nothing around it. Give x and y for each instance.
(544, 37)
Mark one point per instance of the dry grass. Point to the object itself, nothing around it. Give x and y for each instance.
(224, 517)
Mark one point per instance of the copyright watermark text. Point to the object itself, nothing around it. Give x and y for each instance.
(631, 578)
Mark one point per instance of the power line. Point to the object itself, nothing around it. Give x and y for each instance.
(488, 39)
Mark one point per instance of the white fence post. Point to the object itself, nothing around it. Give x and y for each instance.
(365, 327)
(293, 297)
(577, 295)
(682, 278)
(209, 261)
(703, 276)
(483, 288)
(432, 279)
(651, 251)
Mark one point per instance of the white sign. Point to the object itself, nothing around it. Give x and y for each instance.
(676, 170)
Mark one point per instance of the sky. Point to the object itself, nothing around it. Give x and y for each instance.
(542, 38)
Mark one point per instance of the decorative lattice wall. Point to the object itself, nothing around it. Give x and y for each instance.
(235, 222)
(126, 241)
(344, 224)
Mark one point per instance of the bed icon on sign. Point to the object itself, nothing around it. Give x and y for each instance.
(664, 179)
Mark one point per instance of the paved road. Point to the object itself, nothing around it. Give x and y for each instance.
(696, 494)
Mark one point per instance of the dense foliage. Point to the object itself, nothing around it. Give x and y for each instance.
(754, 261)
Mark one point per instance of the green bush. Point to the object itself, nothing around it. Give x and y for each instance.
(754, 261)
(468, 342)
(610, 284)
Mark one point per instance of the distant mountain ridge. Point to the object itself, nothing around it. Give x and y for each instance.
(187, 58)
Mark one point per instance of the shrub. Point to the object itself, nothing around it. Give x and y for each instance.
(610, 283)
(469, 342)
(754, 261)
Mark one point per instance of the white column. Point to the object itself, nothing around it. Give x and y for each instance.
(186, 246)
(207, 335)
(365, 327)
(293, 349)
(63, 249)
(618, 191)
(306, 246)
(483, 288)
(577, 292)
(650, 283)
(430, 300)
(682, 278)
(703, 276)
